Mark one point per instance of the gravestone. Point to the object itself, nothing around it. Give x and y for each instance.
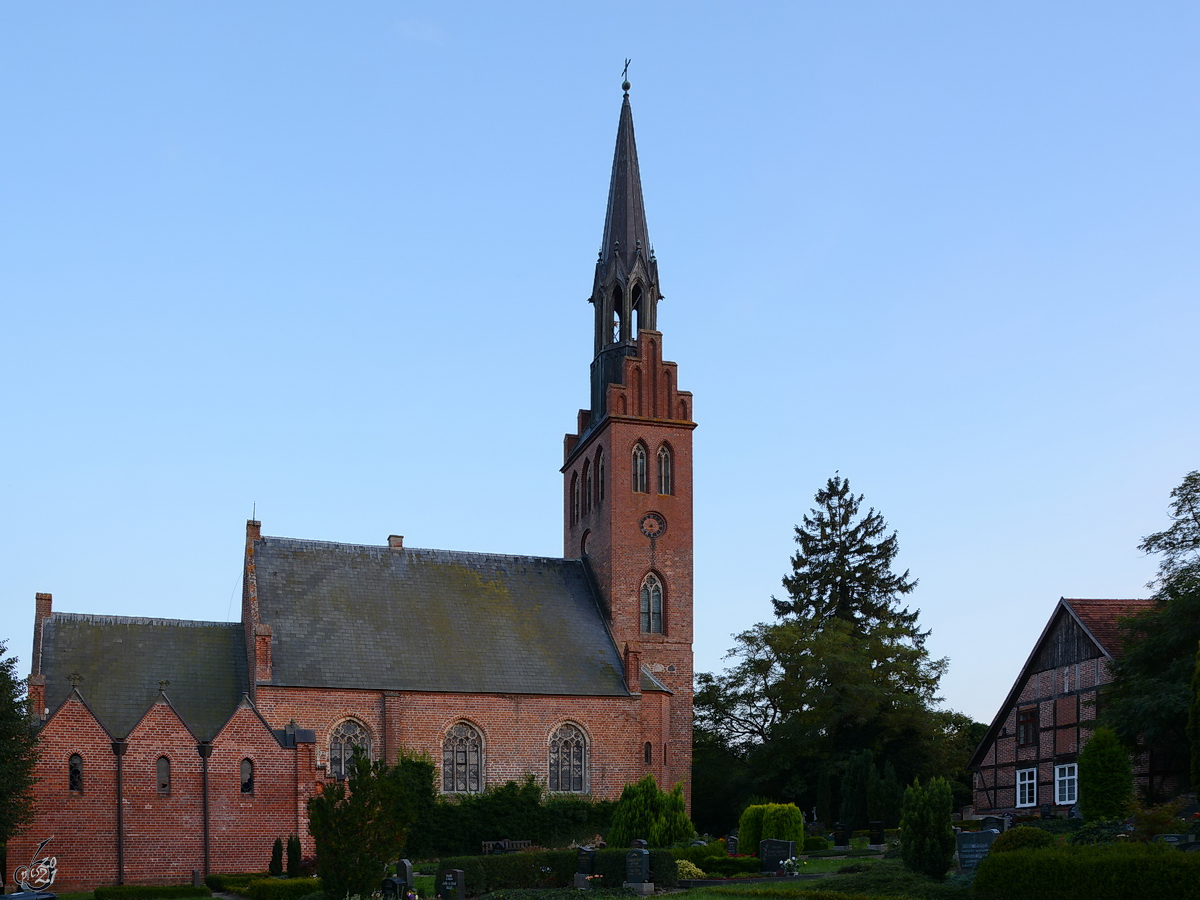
(772, 853)
(639, 844)
(841, 835)
(991, 822)
(731, 843)
(585, 865)
(453, 886)
(637, 872)
(498, 848)
(972, 847)
(699, 843)
(393, 888)
(877, 836)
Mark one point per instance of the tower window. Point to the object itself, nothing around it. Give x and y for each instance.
(639, 469)
(75, 773)
(648, 753)
(568, 760)
(652, 605)
(462, 760)
(163, 767)
(574, 498)
(665, 485)
(247, 774)
(599, 475)
(346, 738)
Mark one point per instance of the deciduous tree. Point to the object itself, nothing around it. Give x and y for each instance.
(18, 755)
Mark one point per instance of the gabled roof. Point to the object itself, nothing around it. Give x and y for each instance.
(1099, 621)
(404, 619)
(122, 660)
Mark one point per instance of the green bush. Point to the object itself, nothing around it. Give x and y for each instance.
(276, 865)
(550, 868)
(926, 835)
(149, 892)
(1098, 831)
(232, 882)
(293, 856)
(1105, 777)
(282, 888)
(688, 869)
(1023, 837)
(732, 866)
(783, 822)
(1086, 873)
(750, 828)
(816, 843)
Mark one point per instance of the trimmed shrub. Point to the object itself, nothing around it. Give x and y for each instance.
(1023, 837)
(1085, 873)
(1099, 831)
(814, 843)
(1105, 777)
(149, 892)
(232, 883)
(293, 856)
(282, 888)
(784, 822)
(276, 865)
(687, 869)
(750, 828)
(549, 869)
(731, 866)
(926, 835)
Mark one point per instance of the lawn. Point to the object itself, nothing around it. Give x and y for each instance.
(887, 878)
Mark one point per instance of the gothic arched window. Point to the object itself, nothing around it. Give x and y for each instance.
(163, 771)
(568, 759)
(665, 485)
(348, 736)
(462, 760)
(574, 498)
(652, 605)
(599, 475)
(75, 773)
(247, 774)
(587, 487)
(639, 468)
(648, 753)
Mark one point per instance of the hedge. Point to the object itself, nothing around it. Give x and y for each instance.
(1085, 873)
(282, 888)
(232, 883)
(731, 866)
(149, 892)
(550, 868)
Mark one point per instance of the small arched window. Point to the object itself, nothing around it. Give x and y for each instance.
(587, 487)
(347, 737)
(639, 469)
(568, 759)
(599, 475)
(75, 773)
(247, 774)
(574, 498)
(665, 484)
(652, 605)
(163, 767)
(648, 753)
(462, 760)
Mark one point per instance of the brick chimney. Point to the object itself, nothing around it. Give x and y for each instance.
(396, 541)
(42, 604)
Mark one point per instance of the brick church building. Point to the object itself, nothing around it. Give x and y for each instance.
(170, 746)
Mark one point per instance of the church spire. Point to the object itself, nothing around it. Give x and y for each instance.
(626, 283)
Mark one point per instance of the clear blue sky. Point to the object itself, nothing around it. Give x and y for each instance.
(332, 260)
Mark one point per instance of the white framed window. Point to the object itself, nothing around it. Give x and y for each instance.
(1066, 784)
(1026, 787)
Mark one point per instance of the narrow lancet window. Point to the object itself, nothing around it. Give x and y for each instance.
(247, 774)
(652, 605)
(639, 469)
(665, 485)
(75, 773)
(164, 775)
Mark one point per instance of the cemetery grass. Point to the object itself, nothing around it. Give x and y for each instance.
(887, 878)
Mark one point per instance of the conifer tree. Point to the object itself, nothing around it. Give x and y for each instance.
(636, 812)
(672, 825)
(926, 835)
(293, 856)
(275, 867)
(1105, 777)
(18, 755)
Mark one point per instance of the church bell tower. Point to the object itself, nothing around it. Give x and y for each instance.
(627, 474)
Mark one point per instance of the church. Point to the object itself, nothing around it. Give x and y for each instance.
(168, 746)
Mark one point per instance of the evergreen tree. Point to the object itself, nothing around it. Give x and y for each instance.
(1193, 732)
(275, 867)
(856, 784)
(672, 826)
(1105, 777)
(293, 856)
(636, 813)
(926, 835)
(18, 755)
(844, 668)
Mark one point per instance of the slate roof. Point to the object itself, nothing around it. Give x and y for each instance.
(123, 659)
(406, 619)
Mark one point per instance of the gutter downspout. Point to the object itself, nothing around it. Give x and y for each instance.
(118, 749)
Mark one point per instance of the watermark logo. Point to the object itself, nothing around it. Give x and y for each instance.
(39, 874)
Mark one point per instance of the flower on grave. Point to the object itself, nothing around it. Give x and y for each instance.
(792, 866)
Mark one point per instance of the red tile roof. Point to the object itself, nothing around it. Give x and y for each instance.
(1101, 618)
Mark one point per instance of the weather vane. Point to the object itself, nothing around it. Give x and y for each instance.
(625, 76)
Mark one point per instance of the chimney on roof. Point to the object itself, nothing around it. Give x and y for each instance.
(253, 530)
(42, 608)
(396, 541)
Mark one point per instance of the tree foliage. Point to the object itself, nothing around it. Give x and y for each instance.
(926, 835)
(843, 668)
(18, 756)
(1105, 777)
(361, 826)
(1148, 702)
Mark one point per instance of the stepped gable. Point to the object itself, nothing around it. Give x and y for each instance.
(123, 659)
(406, 619)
